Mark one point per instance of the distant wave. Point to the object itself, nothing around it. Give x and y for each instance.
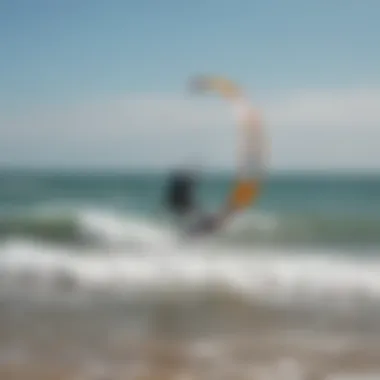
(304, 229)
(92, 226)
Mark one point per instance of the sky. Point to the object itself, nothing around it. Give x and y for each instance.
(96, 83)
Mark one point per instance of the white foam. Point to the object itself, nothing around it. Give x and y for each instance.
(116, 229)
(282, 275)
(258, 221)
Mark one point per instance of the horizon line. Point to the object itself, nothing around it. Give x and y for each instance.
(87, 169)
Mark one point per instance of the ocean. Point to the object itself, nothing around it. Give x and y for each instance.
(92, 268)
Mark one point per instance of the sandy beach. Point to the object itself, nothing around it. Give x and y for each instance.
(226, 340)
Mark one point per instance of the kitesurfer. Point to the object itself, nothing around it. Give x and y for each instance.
(180, 201)
(182, 184)
(180, 197)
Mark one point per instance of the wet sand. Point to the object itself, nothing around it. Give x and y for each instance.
(258, 359)
(233, 341)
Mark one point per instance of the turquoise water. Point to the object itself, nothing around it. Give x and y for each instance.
(309, 240)
(293, 209)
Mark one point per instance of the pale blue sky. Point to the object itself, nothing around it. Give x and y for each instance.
(60, 53)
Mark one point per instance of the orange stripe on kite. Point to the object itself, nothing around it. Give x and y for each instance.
(244, 194)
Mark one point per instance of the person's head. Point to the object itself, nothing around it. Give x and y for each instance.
(185, 172)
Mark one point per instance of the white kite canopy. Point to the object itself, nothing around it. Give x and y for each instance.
(250, 163)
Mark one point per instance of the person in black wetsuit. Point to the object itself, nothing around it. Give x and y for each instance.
(180, 201)
(180, 197)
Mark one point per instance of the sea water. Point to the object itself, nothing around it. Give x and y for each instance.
(90, 261)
